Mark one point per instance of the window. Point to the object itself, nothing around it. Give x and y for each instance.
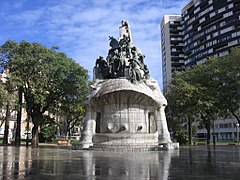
(226, 30)
(215, 34)
(232, 43)
(234, 34)
(202, 20)
(223, 53)
(209, 44)
(210, 50)
(227, 14)
(197, 3)
(222, 23)
(212, 14)
(225, 125)
(196, 10)
(230, 5)
(221, 10)
(202, 61)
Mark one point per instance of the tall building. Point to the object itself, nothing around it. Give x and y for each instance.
(206, 28)
(210, 28)
(172, 44)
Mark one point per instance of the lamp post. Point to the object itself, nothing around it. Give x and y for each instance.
(237, 131)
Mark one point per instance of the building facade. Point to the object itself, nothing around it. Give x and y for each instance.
(210, 28)
(225, 130)
(172, 44)
(206, 28)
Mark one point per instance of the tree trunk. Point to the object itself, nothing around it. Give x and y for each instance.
(213, 128)
(208, 134)
(6, 130)
(189, 131)
(19, 118)
(35, 136)
(237, 117)
(207, 124)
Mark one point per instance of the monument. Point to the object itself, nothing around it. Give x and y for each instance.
(125, 108)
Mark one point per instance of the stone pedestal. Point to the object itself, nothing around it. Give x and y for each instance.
(124, 115)
(125, 108)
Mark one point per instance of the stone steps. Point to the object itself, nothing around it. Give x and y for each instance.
(126, 147)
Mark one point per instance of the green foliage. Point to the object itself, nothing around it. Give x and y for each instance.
(48, 130)
(74, 141)
(49, 79)
(207, 91)
(181, 137)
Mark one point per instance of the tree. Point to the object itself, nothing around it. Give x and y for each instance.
(7, 103)
(10, 93)
(71, 109)
(191, 97)
(48, 130)
(182, 98)
(46, 77)
(227, 78)
(208, 91)
(72, 113)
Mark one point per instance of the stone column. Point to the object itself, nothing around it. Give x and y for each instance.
(147, 121)
(163, 133)
(89, 128)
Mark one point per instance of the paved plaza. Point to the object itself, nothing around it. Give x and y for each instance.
(198, 162)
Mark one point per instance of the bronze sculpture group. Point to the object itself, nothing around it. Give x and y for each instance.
(123, 60)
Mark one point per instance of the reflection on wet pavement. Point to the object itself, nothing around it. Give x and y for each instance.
(200, 162)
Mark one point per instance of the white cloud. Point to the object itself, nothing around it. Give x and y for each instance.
(81, 28)
(28, 18)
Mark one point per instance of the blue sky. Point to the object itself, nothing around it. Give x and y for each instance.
(80, 28)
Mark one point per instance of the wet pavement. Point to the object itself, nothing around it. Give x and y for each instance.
(198, 162)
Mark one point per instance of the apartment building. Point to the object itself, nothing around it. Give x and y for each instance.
(210, 28)
(172, 44)
(205, 28)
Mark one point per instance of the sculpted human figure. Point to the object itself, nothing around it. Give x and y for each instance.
(114, 62)
(125, 45)
(126, 27)
(101, 68)
(113, 42)
(135, 74)
(122, 64)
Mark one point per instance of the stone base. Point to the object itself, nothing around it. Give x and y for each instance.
(126, 142)
(81, 146)
(126, 147)
(125, 138)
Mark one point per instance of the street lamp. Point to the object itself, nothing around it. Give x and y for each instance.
(237, 126)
